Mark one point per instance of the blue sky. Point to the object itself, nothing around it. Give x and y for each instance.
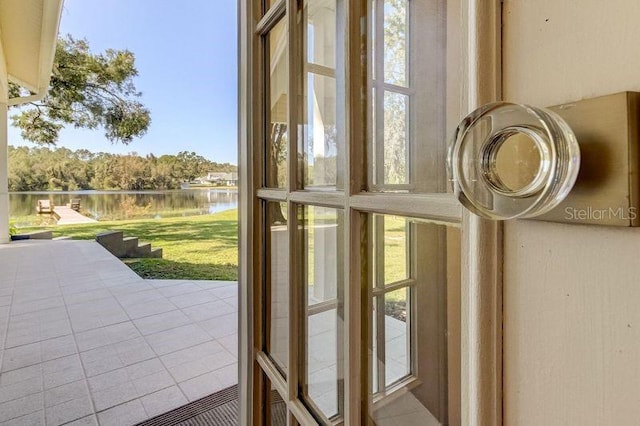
(186, 54)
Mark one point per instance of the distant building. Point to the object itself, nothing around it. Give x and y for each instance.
(215, 176)
(219, 178)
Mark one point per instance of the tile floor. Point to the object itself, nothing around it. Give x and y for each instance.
(85, 341)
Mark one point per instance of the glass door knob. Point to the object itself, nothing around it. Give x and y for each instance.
(511, 161)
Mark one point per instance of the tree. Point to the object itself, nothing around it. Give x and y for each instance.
(192, 165)
(42, 169)
(87, 90)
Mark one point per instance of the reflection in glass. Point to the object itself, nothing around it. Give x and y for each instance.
(324, 316)
(409, 75)
(414, 367)
(279, 283)
(396, 333)
(321, 32)
(276, 408)
(396, 143)
(321, 137)
(277, 103)
(395, 42)
(321, 140)
(518, 162)
(377, 361)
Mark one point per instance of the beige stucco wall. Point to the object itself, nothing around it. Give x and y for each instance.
(571, 293)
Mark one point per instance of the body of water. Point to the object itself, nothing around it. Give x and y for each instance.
(120, 205)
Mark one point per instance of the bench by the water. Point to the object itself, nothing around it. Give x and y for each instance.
(44, 206)
(74, 204)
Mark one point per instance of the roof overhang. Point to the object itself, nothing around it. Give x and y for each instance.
(28, 36)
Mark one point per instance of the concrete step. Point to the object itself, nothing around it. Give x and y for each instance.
(40, 235)
(112, 241)
(37, 235)
(143, 250)
(63, 238)
(130, 246)
(156, 253)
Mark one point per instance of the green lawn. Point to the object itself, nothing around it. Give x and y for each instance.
(199, 247)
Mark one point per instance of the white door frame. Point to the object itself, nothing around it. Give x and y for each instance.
(482, 239)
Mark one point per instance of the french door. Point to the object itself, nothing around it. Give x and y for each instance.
(355, 305)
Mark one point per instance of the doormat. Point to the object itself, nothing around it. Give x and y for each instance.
(220, 407)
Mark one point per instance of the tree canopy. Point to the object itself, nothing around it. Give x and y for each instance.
(87, 90)
(42, 169)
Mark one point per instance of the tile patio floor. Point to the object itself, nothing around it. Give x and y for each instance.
(85, 341)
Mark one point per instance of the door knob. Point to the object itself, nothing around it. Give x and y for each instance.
(512, 161)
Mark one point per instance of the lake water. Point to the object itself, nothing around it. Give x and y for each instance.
(119, 205)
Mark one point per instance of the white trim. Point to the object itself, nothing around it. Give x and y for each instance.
(23, 84)
(51, 13)
(245, 214)
(435, 207)
(25, 99)
(4, 80)
(355, 177)
(481, 239)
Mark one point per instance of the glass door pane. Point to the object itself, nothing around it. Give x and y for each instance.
(278, 248)
(393, 234)
(407, 51)
(322, 141)
(397, 358)
(410, 370)
(277, 132)
(323, 354)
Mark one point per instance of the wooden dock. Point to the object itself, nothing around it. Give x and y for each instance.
(68, 216)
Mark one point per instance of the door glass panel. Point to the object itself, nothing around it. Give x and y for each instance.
(377, 362)
(413, 370)
(395, 249)
(323, 242)
(320, 41)
(396, 29)
(321, 136)
(407, 75)
(321, 140)
(396, 139)
(278, 240)
(277, 106)
(396, 329)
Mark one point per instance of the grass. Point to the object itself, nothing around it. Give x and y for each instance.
(200, 247)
